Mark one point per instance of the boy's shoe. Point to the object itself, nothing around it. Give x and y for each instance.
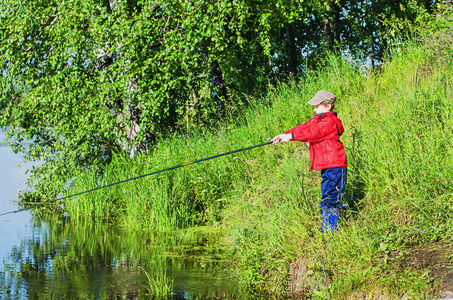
(330, 221)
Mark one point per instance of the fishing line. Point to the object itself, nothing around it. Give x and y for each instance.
(135, 178)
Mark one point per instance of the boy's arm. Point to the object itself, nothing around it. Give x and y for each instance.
(306, 132)
(298, 133)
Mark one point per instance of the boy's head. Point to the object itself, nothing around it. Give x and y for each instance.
(323, 101)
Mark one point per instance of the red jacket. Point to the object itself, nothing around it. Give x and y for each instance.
(322, 132)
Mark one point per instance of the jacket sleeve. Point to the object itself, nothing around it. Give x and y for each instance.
(312, 131)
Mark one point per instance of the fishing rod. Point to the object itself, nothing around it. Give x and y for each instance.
(135, 178)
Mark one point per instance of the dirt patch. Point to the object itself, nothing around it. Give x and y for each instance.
(435, 260)
(299, 285)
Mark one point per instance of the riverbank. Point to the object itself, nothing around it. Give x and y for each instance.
(398, 138)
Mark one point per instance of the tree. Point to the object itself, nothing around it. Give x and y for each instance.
(99, 77)
(109, 76)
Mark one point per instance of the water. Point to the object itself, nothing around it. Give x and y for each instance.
(61, 258)
(12, 178)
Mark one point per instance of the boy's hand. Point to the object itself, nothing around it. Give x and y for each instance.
(282, 138)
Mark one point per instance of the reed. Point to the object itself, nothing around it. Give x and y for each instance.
(159, 285)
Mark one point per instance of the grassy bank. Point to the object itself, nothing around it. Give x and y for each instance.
(398, 138)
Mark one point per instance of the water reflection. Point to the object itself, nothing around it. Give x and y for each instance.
(61, 258)
(96, 261)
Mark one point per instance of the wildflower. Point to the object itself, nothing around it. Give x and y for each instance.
(246, 171)
(438, 15)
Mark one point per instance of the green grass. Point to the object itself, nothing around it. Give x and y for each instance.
(398, 124)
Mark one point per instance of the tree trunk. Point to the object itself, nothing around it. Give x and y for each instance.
(124, 110)
(328, 32)
(291, 50)
(218, 87)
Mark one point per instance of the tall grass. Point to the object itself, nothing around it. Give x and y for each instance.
(403, 191)
(268, 199)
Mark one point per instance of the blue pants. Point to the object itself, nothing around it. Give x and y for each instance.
(332, 189)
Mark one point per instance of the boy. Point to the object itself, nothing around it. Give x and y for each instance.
(327, 153)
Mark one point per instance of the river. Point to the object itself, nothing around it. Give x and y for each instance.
(55, 257)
